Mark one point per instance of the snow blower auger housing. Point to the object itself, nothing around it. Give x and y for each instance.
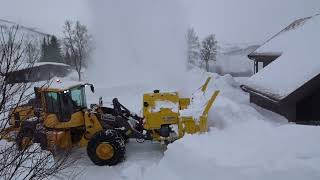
(167, 117)
(57, 118)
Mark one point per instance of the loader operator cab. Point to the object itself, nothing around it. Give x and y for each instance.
(64, 102)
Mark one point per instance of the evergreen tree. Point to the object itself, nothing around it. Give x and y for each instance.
(54, 51)
(193, 48)
(209, 50)
(51, 51)
(44, 53)
(68, 58)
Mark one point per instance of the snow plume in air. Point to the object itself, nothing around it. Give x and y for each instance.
(141, 41)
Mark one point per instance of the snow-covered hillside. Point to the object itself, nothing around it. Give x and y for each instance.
(29, 32)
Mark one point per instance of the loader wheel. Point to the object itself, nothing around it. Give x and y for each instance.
(106, 148)
(24, 138)
(124, 137)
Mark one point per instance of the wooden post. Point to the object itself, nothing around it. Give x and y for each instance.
(255, 66)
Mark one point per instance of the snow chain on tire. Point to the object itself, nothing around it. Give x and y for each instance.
(109, 137)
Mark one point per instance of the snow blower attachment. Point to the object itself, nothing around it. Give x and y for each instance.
(168, 117)
(59, 119)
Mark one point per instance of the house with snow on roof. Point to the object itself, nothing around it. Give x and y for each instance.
(40, 71)
(289, 83)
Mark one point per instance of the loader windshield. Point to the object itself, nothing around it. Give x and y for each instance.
(65, 103)
(78, 97)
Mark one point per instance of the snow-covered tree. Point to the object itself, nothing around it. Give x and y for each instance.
(193, 47)
(32, 52)
(31, 162)
(67, 58)
(44, 53)
(77, 43)
(209, 50)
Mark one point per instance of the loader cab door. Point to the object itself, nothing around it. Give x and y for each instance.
(72, 101)
(52, 103)
(78, 98)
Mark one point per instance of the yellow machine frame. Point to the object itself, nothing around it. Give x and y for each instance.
(186, 124)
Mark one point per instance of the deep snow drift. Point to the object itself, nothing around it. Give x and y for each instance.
(244, 141)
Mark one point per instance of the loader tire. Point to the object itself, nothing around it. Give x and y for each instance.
(106, 148)
(124, 137)
(24, 138)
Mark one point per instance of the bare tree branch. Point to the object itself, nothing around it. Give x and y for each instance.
(32, 162)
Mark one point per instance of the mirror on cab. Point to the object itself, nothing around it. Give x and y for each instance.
(100, 102)
(92, 88)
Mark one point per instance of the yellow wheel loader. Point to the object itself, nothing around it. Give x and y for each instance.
(58, 118)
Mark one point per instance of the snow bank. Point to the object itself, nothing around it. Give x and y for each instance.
(199, 101)
(299, 44)
(244, 142)
(248, 151)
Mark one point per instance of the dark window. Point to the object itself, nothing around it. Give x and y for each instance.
(52, 102)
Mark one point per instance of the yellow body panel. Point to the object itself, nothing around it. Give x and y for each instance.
(164, 116)
(184, 103)
(210, 102)
(24, 112)
(154, 120)
(59, 139)
(92, 126)
(191, 126)
(52, 121)
(205, 85)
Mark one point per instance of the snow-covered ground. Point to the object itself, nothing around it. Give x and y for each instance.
(244, 141)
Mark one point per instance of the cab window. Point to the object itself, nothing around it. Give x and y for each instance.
(52, 102)
(78, 97)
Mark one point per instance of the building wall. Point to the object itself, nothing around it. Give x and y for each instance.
(308, 108)
(37, 73)
(301, 106)
(286, 110)
(306, 100)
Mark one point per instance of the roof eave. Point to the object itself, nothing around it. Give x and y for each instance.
(259, 93)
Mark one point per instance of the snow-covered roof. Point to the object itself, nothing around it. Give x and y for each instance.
(50, 63)
(62, 84)
(298, 63)
(265, 54)
(28, 65)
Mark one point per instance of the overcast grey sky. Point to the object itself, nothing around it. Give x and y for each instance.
(231, 20)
